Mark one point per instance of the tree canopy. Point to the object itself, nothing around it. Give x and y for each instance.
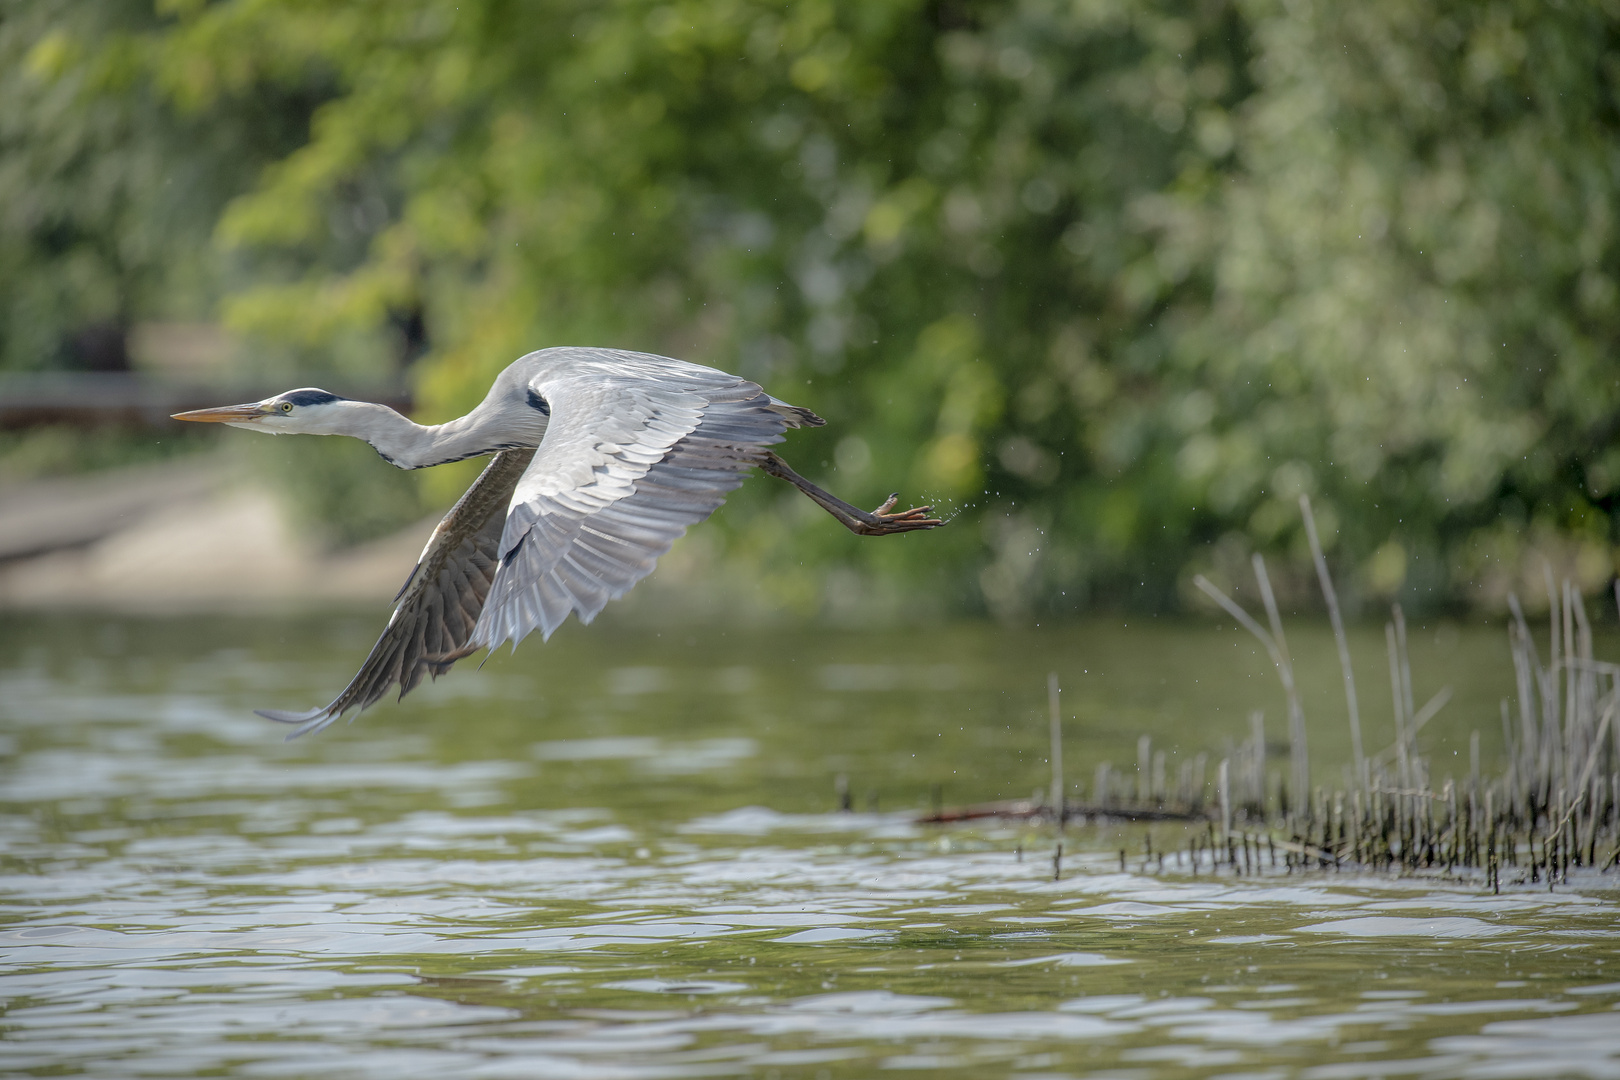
(1116, 281)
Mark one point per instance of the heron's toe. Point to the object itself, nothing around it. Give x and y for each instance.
(882, 521)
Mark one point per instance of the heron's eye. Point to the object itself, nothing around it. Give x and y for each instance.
(286, 406)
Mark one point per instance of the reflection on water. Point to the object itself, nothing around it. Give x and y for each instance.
(618, 856)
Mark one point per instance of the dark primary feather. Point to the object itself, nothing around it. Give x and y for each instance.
(440, 602)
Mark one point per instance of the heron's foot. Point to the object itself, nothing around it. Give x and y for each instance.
(881, 522)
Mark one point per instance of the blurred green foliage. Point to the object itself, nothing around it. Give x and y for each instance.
(54, 450)
(1117, 281)
(110, 188)
(335, 489)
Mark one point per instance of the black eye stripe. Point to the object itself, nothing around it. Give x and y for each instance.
(539, 403)
(310, 397)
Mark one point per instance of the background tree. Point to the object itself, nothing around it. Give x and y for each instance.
(1118, 281)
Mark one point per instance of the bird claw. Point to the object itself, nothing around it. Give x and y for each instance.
(881, 522)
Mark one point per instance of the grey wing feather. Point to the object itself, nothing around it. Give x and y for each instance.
(638, 449)
(440, 602)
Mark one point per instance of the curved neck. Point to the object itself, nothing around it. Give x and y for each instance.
(410, 445)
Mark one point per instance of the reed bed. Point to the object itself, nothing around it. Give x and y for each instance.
(1554, 807)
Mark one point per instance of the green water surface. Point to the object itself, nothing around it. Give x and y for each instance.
(619, 854)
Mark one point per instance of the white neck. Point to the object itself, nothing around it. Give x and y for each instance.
(409, 445)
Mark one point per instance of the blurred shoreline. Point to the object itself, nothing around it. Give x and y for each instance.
(200, 535)
(187, 535)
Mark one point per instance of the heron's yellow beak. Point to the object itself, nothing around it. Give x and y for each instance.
(225, 415)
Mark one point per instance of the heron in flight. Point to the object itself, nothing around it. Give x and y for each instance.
(602, 460)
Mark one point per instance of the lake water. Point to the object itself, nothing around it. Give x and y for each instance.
(620, 855)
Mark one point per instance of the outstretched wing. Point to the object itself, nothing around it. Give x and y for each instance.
(637, 449)
(440, 602)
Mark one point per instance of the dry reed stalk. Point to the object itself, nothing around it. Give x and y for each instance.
(1331, 596)
(1556, 803)
(1552, 716)
(1225, 791)
(1579, 786)
(1057, 801)
(1397, 703)
(1279, 659)
(1144, 759)
(1299, 756)
(1406, 683)
(1253, 765)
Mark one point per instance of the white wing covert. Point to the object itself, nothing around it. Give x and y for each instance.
(637, 449)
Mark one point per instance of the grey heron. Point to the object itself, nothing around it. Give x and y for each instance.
(602, 458)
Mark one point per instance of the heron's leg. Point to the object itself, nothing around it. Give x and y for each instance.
(878, 522)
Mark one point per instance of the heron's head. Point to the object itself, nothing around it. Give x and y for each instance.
(307, 411)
